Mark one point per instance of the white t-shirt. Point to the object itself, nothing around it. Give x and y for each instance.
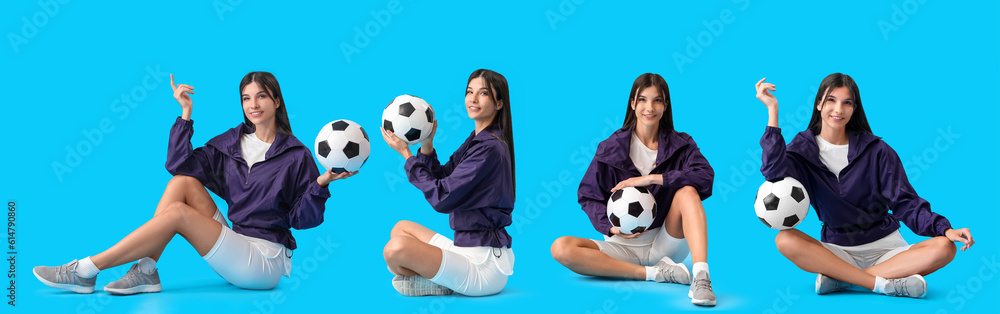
(641, 156)
(833, 156)
(253, 149)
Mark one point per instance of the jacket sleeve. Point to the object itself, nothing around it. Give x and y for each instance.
(203, 163)
(447, 191)
(904, 202)
(310, 199)
(593, 196)
(775, 162)
(695, 172)
(435, 168)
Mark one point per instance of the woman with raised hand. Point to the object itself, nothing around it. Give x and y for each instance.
(267, 177)
(860, 192)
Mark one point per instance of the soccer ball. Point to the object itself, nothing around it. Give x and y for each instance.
(342, 145)
(409, 117)
(781, 204)
(631, 209)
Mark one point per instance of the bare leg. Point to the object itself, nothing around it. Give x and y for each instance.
(408, 253)
(584, 257)
(187, 190)
(176, 218)
(686, 220)
(811, 256)
(922, 258)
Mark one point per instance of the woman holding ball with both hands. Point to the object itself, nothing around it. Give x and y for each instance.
(475, 188)
(860, 192)
(267, 177)
(647, 151)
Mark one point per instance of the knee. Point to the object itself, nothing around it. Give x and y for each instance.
(395, 249)
(943, 248)
(686, 196)
(562, 249)
(401, 227)
(182, 181)
(687, 192)
(787, 241)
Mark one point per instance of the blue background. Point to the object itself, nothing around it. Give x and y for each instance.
(927, 81)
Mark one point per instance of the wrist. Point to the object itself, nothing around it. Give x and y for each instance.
(427, 148)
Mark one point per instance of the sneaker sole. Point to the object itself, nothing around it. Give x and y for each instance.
(405, 287)
(74, 288)
(701, 302)
(134, 290)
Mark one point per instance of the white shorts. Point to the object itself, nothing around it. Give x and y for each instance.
(248, 262)
(647, 249)
(472, 271)
(870, 254)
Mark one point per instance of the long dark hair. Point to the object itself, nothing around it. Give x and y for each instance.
(497, 87)
(641, 82)
(270, 86)
(858, 122)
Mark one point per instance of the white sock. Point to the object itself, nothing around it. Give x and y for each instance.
(880, 284)
(651, 273)
(146, 265)
(698, 267)
(85, 268)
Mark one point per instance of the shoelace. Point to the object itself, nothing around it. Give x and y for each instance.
(66, 275)
(671, 274)
(702, 284)
(133, 278)
(898, 286)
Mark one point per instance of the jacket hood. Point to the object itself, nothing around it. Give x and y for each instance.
(229, 142)
(804, 144)
(614, 151)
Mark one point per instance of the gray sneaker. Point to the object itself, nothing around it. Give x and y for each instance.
(701, 290)
(672, 272)
(415, 286)
(825, 284)
(65, 277)
(913, 286)
(135, 281)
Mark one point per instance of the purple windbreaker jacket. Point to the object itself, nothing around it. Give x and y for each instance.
(855, 209)
(474, 188)
(678, 159)
(278, 194)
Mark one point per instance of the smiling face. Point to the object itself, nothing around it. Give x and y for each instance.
(258, 105)
(479, 101)
(649, 106)
(836, 109)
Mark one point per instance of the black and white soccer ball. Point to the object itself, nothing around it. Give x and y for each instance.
(409, 117)
(631, 209)
(342, 145)
(781, 204)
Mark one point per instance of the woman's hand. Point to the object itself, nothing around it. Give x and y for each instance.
(764, 95)
(181, 92)
(324, 179)
(397, 144)
(639, 181)
(617, 232)
(960, 235)
(427, 146)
